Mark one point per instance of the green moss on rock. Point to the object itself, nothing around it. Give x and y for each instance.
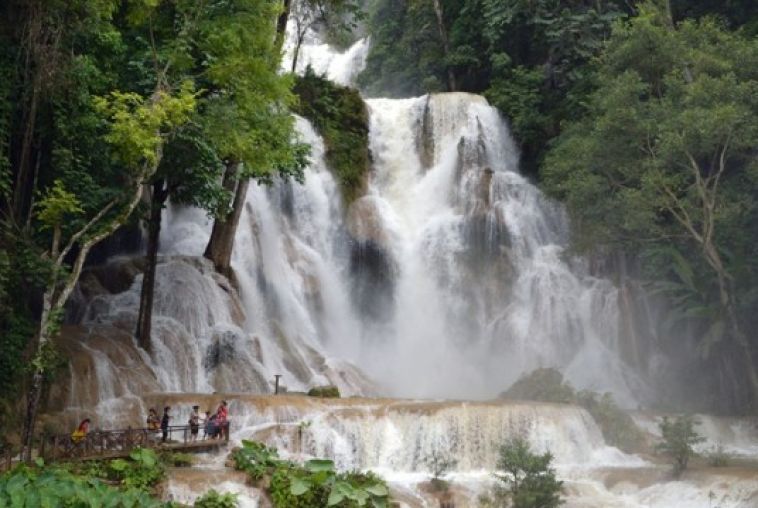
(324, 391)
(339, 114)
(547, 385)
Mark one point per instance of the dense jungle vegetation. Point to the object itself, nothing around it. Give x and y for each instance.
(640, 116)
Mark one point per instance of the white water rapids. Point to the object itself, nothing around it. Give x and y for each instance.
(448, 279)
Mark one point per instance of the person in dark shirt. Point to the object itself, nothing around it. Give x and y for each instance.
(164, 422)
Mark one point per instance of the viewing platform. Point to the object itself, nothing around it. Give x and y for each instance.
(113, 444)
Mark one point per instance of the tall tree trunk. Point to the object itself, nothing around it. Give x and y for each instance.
(144, 318)
(221, 243)
(451, 85)
(296, 51)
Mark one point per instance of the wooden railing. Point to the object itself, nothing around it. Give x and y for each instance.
(114, 443)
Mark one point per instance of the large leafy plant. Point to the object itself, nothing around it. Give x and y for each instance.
(26, 486)
(314, 484)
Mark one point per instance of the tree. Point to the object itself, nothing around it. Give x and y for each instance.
(336, 16)
(528, 479)
(136, 129)
(94, 142)
(679, 436)
(664, 160)
(247, 119)
(189, 174)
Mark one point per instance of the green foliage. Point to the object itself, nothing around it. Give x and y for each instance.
(56, 204)
(617, 425)
(531, 59)
(142, 471)
(717, 457)
(177, 459)
(547, 385)
(339, 114)
(25, 486)
(662, 167)
(439, 464)
(213, 499)
(329, 391)
(137, 124)
(256, 459)
(527, 478)
(679, 436)
(315, 484)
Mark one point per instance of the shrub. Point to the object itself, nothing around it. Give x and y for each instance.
(547, 385)
(529, 481)
(325, 392)
(679, 436)
(440, 464)
(256, 459)
(142, 471)
(177, 459)
(314, 484)
(617, 426)
(718, 457)
(213, 499)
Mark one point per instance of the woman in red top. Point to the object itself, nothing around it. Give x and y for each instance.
(222, 419)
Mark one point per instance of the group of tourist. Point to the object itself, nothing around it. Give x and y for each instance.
(214, 425)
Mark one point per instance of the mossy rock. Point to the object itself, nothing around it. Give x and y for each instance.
(324, 392)
(544, 385)
(340, 116)
(547, 385)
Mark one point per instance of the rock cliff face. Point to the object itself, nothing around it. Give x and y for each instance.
(200, 344)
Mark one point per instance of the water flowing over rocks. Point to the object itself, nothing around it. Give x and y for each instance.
(449, 278)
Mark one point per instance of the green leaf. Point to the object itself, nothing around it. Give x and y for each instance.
(299, 486)
(317, 465)
(335, 497)
(378, 490)
(119, 465)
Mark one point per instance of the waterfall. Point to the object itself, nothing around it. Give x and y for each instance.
(450, 278)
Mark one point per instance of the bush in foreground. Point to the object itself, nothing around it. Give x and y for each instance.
(679, 437)
(527, 479)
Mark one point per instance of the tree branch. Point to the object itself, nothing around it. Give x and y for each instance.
(75, 238)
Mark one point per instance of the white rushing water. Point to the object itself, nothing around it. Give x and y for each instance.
(448, 279)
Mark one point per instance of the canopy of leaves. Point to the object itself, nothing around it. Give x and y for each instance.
(664, 163)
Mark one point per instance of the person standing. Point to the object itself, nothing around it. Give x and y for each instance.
(222, 419)
(194, 423)
(165, 421)
(153, 422)
(81, 431)
(207, 425)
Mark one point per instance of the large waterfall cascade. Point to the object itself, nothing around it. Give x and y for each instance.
(448, 279)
